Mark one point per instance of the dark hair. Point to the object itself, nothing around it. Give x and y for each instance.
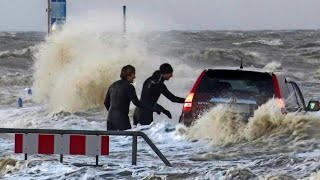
(165, 68)
(127, 71)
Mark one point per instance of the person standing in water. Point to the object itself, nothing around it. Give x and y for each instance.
(118, 98)
(153, 87)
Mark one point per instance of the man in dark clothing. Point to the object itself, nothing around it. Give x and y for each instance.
(118, 98)
(153, 87)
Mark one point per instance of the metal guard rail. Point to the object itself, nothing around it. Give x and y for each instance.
(134, 135)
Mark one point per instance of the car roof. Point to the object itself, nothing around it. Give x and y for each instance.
(247, 69)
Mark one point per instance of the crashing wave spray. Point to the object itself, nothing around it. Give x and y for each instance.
(221, 127)
(273, 66)
(74, 67)
(8, 166)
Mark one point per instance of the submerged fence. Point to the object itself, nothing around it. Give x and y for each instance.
(134, 135)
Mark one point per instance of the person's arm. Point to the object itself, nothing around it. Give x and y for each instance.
(170, 96)
(133, 97)
(163, 110)
(107, 100)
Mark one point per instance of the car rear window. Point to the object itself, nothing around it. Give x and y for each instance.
(237, 83)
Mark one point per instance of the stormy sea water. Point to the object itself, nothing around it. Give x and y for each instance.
(70, 71)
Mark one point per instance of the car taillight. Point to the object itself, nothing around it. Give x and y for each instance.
(187, 106)
(277, 92)
(276, 86)
(280, 103)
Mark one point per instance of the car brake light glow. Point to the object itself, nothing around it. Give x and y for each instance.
(276, 86)
(187, 106)
(280, 100)
(189, 97)
(280, 103)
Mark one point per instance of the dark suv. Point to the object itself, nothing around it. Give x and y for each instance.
(244, 91)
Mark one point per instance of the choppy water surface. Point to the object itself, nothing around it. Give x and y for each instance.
(70, 71)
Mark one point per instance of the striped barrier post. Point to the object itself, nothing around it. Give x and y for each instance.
(88, 145)
(43, 136)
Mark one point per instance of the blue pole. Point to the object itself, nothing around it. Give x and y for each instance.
(20, 102)
(29, 91)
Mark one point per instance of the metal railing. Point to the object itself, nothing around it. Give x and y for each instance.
(134, 135)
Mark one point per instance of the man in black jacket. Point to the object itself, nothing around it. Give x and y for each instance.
(118, 98)
(153, 87)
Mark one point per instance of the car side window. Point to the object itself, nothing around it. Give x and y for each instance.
(287, 90)
(294, 99)
(299, 94)
(290, 97)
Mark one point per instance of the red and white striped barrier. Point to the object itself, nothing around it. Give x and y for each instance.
(89, 145)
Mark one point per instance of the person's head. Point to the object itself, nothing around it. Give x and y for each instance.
(128, 72)
(166, 70)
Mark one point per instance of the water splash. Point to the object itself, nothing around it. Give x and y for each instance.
(74, 67)
(273, 66)
(8, 165)
(222, 127)
(313, 176)
(269, 42)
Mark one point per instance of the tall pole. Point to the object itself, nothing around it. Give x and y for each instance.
(49, 16)
(124, 19)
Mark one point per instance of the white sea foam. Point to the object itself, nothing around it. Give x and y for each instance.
(272, 42)
(221, 127)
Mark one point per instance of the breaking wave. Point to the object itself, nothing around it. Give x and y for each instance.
(24, 53)
(15, 79)
(231, 57)
(315, 54)
(239, 173)
(221, 127)
(313, 176)
(73, 69)
(273, 66)
(273, 42)
(8, 165)
(4, 34)
(309, 45)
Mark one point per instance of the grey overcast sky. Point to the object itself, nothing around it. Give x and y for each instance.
(30, 15)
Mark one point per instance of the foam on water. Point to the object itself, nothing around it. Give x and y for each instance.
(273, 66)
(117, 165)
(74, 67)
(313, 176)
(39, 117)
(15, 79)
(221, 127)
(270, 42)
(26, 52)
(171, 140)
